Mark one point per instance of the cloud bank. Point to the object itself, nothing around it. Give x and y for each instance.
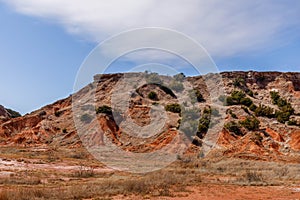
(224, 28)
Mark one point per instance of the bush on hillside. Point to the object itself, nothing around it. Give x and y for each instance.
(152, 95)
(250, 123)
(233, 127)
(264, 111)
(175, 108)
(104, 109)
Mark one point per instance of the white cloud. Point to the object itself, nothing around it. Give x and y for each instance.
(224, 28)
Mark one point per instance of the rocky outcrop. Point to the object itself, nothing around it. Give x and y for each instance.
(54, 124)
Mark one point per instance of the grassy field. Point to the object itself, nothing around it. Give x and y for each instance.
(28, 173)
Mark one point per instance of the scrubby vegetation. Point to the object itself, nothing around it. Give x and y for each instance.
(175, 108)
(236, 98)
(233, 127)
(264, 111)
(250, 123)
(286, 109)
(233, 115)
(204, 122)
(152, 95)
(104, 109)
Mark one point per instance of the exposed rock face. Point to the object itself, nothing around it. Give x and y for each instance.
(3, 112)
(54, 125)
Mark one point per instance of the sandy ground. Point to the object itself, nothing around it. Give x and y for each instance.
(12, 165)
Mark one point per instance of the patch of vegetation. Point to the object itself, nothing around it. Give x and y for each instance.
(64, 130)
(204, 122)
(58, 113)
(252, 107)
(264, 111)
(238, 82)
(12, 113)
(246, 109)
(250, 93)
(233, 127)
(286, 109)
(175, 108)
(236, 98)
(282, 117)
(293, 122)
(250, 123)
(233, 115)
(86, 118)
(104, 109)
(152, 95)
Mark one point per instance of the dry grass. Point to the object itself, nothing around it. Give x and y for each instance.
(87, 183)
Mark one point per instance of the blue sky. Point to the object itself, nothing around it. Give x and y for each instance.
(43, 43)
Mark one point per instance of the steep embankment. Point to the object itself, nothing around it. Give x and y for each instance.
(258, 125)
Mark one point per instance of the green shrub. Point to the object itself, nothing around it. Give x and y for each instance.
(282, 104)
(233, 127)
(64, 130)
(264, 111)
(275, 97)
(238, 82)
(236, 98)
(175, 108)
(104, 109)
(246, 109)
(204, 122)
(152, 95)
(293, 123)
(237, 95)
(286, 109)
(250, 123)
(250, 93)
(57, 113)
(282, 117)
(86, 118)
(233, 115)
(252, 107)
(246, 101)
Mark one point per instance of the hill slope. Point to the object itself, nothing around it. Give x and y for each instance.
(272, 98)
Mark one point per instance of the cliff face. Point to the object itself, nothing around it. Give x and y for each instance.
(272, 140)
